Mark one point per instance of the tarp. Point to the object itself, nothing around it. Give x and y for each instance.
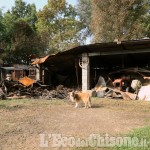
(27, 81)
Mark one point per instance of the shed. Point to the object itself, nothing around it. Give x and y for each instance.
(94, 60)
(17, 71)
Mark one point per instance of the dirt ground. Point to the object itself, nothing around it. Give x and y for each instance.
(22, 121)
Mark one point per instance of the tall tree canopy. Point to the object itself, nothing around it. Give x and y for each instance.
(21, 10)
(117, 19)
(20, 39)
(59, 26)
(24, 43)
(84, 11)
(1, 38)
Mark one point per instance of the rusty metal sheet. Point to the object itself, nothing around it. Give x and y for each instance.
(39, 61)
(27, 81)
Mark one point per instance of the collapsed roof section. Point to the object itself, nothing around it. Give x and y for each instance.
(40, 60)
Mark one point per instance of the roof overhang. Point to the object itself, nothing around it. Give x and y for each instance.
(136, 46)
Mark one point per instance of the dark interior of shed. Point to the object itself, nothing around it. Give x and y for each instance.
(105, 59)
(115, 66)
(65, 70)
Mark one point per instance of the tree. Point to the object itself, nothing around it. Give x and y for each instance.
(59, 26)
(21, 10)
(1, 29)
(3, 39)
(84, 11)
(20, 40)
(118, 19)
(24, 43)
(147, 22)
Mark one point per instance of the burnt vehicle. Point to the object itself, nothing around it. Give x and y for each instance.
(122, 79)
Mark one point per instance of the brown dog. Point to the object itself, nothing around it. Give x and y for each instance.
(78, 97)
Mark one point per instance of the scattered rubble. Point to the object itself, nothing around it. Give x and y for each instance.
(28, 88)
(2, 94)
(140, 92)
(115, 94)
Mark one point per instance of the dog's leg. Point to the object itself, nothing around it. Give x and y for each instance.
(76, 105)
(86, 106)
(89, 102)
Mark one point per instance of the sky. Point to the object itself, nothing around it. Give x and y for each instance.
(7, 4)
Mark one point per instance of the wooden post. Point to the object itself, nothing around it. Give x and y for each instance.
(85, 72)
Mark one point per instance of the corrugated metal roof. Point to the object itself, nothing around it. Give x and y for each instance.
(109, 47)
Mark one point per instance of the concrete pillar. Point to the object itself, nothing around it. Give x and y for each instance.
(85, 72)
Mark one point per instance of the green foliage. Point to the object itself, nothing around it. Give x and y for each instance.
(59, 26)
(142, 133)
(2, 38)
(1, 27)
(24, 43)
(6, 35)
(21, 10)
(108, 20)
(8, 21)
(23, 34)
(84, 11)
(20, 39)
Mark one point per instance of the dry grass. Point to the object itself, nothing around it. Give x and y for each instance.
(132, 106)
(23, 120)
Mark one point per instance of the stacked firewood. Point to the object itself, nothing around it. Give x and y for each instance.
(60, 92)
